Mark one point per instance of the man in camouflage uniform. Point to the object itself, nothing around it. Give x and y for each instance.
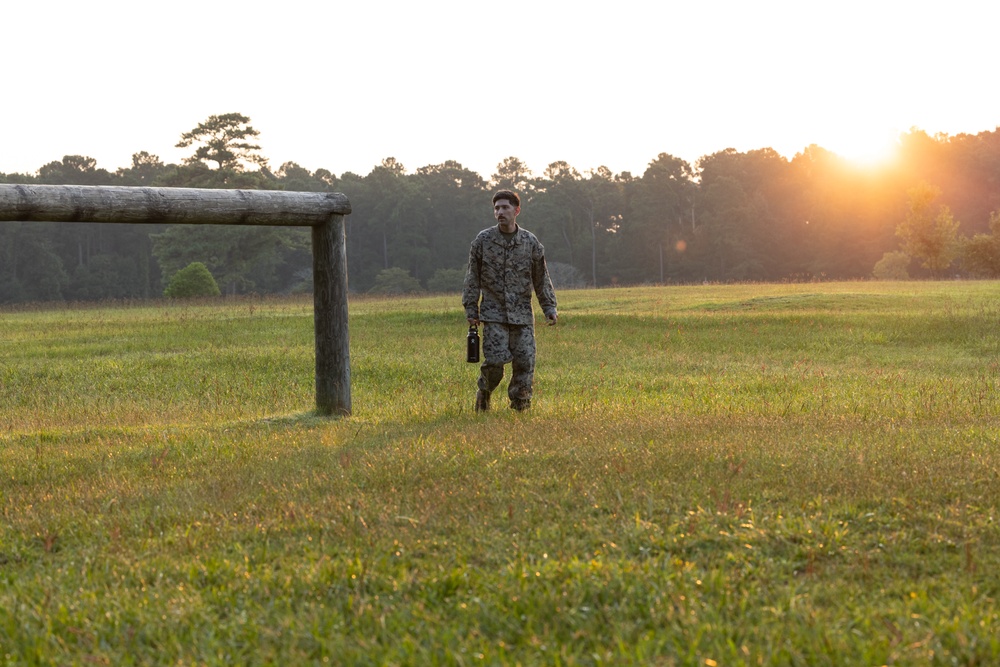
(505, 264)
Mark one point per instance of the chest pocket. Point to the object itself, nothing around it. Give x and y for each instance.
(519, 268)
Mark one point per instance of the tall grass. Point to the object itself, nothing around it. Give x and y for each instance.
(729, 475)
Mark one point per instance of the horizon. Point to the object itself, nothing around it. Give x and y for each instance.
(871, 158)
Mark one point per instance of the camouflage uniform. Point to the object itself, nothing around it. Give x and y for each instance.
(504, 272)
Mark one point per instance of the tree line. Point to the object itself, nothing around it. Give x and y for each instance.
(730, 216)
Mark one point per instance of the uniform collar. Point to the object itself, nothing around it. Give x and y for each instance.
(499, 237)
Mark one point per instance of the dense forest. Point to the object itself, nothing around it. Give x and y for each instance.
(731, 216)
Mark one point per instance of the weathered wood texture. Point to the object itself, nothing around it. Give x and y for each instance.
(172, 206)
(333, 349)
(324, 212)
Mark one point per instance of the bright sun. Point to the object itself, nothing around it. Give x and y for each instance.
(867, 148)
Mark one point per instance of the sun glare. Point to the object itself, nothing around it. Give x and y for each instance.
(865, 149)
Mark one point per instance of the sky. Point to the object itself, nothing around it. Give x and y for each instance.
(343, 85)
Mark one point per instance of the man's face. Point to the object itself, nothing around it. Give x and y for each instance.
(505, 212)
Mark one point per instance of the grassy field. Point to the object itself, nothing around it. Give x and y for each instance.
(710, 475)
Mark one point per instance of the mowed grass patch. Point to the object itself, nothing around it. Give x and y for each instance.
(795, 482)
(167, 364)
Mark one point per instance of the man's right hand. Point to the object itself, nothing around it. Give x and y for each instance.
(473, 322)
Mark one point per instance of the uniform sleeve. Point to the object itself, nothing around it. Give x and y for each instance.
(471, 290)
(542, 282)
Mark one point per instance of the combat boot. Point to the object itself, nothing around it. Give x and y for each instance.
(520, 404)
(482, 401)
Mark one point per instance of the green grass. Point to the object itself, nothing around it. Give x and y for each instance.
(710, 475)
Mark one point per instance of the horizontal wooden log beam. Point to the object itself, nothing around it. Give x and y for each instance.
(170, 206)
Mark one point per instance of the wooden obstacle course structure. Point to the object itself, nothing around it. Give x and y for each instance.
(324, 212)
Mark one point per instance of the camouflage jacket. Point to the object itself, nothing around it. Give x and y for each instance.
(503, 273)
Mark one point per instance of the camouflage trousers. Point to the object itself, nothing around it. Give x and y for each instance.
(509, 344)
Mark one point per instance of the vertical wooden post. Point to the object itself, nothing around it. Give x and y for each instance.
(333, 349)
